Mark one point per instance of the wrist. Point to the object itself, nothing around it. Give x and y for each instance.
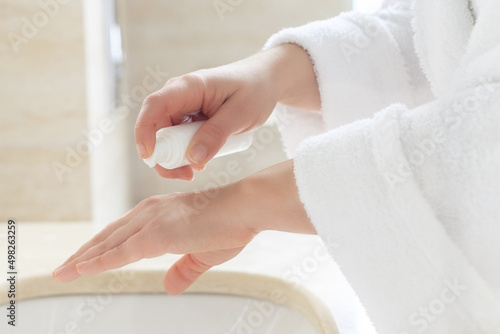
(217, 213)
(269, 200)
(293, 76)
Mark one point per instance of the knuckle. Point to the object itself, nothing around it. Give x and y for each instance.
(155, 199)
(131, 251)
(192, 80)
(98, 261)
(100, 236)
(102, 247)
(151, 201)
(125, 252)
(139, 124)
(214, 132)
(151, 99)
(188, 78)
(198, 266)
(171, 81)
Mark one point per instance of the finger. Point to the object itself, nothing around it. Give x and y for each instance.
(127, 252)
(213, 134)
(184, 173)
(98, 238)
(166, 107)
(183, 273)
(191, 266)
(199, 168)
(69, 272)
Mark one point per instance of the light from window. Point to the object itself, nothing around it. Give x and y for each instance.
(366, 6)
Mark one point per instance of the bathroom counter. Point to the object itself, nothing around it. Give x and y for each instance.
(301, 260)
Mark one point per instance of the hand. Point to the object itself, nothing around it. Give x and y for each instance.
(234, 98)
(159, 225)
(268, 200)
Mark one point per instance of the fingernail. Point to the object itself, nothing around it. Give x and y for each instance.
(198, 154)
(65, 274)
(199, 168)
(56, 273)
(141, 149)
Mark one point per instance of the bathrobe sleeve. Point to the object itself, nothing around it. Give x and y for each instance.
(393, 189)
(388, 192)
(363, 62)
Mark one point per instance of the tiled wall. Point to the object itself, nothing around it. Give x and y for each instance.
(42, 111)
(182, 36)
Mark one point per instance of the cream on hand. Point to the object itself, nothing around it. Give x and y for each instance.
(173, 141)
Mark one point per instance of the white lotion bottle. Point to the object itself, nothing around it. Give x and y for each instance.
(172, 143)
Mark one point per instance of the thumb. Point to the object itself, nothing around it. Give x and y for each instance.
(191, 266)
(212, 135)
(182, 274)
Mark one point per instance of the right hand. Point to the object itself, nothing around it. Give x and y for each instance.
(234, 98)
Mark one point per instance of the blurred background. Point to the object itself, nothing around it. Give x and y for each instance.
(73, 74)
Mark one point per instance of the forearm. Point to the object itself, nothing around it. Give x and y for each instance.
(269, 200)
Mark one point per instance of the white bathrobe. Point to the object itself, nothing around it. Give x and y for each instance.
(401, 167)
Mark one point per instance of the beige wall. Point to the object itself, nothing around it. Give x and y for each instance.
(182, 36)
(43, 102)
(42, 106)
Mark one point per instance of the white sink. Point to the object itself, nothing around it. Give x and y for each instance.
(158, 313)
(134, 302)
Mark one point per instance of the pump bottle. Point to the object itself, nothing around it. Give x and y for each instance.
(173, 141)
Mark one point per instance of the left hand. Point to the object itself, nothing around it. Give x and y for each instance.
(159, 225)
(208, 236)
